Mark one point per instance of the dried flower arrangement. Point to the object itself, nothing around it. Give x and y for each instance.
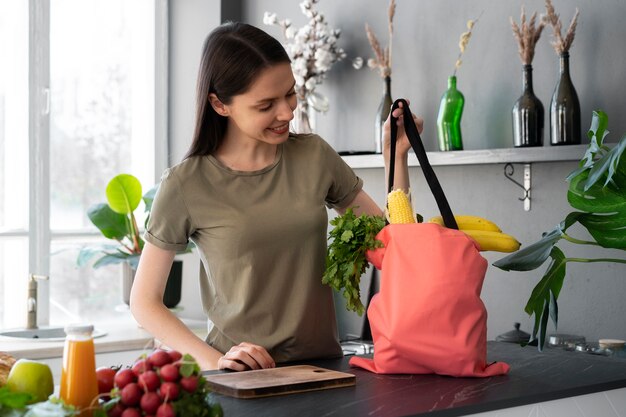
(313, 50)
(561, 44)
(527, 35)
(382, 61)
(463, 41)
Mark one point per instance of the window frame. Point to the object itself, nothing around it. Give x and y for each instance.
(39, 233)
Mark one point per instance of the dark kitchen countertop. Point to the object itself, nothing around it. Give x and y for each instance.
(534, 377)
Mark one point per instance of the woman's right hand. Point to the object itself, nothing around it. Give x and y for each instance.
(246, 356)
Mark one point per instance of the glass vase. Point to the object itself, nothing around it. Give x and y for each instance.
(528, 114)
(381, 115)
(449, 118)
(564, 109)
(304, 117)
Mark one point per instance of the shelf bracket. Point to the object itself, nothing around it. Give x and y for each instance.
(508, 173)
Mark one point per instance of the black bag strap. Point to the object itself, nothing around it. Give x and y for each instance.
(420, 152)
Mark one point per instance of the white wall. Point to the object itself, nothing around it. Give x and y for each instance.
(190, 23)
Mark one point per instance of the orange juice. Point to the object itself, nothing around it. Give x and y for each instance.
(79, 386)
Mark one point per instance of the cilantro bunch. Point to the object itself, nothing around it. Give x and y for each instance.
(350, 238)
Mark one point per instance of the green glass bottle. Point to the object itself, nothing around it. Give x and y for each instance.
(449, 118)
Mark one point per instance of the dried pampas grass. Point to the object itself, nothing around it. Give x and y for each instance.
(527, 34)
(561, 44)
(382, 59)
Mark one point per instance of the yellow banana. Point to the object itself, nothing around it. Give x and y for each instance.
(494, 241)
(466, 222)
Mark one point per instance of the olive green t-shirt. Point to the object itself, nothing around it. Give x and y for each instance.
(261, 236)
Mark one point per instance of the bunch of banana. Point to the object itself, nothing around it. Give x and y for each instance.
(485, 232)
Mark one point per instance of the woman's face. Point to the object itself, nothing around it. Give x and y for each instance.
(263, 112)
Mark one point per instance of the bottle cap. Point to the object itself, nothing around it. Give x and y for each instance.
(78, 328)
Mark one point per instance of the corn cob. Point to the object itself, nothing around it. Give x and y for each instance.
(399, 209)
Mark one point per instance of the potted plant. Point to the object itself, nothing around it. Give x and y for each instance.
(116, 221)
(597, 190)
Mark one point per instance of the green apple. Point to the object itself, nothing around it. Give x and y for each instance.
(31, 377)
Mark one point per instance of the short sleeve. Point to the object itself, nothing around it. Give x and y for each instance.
(170, 224)
(345, 184)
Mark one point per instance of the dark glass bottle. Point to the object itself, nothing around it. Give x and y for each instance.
(449, 118)
(565, 109)
(528, 114)
(381, 115)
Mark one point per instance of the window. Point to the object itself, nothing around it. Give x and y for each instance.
(95, 115)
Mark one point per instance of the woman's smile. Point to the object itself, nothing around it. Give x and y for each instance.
(279, 130)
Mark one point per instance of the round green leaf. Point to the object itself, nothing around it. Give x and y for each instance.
(124, 193)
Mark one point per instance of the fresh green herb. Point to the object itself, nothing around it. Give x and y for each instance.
(13, 400)
(352, 237)
(189, 366)
(197, 404)
(598, 189)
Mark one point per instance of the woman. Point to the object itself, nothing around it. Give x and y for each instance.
(253, 198)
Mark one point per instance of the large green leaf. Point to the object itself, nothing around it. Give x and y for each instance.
(112, 225)
(617, 166)
(148, 198)
(116, 258)
(543, 299)
(596, 134)
(124, 193)
(532, 256)
(597, 199)
(608, 230)
(605, 168)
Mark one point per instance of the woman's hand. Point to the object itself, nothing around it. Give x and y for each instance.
(246, 356)
(402, 141)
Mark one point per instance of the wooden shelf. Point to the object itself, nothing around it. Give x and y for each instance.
(481, 157)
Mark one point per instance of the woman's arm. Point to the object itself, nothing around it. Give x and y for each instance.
(363, 203)
(146, 305)
(401, 171)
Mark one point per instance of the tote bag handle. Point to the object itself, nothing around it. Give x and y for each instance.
(420, 152)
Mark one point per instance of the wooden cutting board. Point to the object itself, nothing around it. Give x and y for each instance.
(277, 381)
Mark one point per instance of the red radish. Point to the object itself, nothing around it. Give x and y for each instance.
(175, 355)
(159, 358)
(131, 394)
(117, 410)
(165, 410)
(168, 391)
(149, 381)
(124, 377)
(189, 383)
(141, 366)
(131, 412)
(106, 379)
(169, 372)
(150, 402)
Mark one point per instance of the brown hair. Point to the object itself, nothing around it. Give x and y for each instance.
(232, 57)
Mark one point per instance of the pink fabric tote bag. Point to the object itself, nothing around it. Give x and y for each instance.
(428, 316)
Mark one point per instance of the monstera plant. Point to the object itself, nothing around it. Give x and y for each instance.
(116, 221)
(597, 190)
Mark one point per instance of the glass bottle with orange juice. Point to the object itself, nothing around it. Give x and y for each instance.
(79, 385)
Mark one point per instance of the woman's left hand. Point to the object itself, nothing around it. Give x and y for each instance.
(402, 141)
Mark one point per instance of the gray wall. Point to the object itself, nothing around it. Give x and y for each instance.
(425, 48)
